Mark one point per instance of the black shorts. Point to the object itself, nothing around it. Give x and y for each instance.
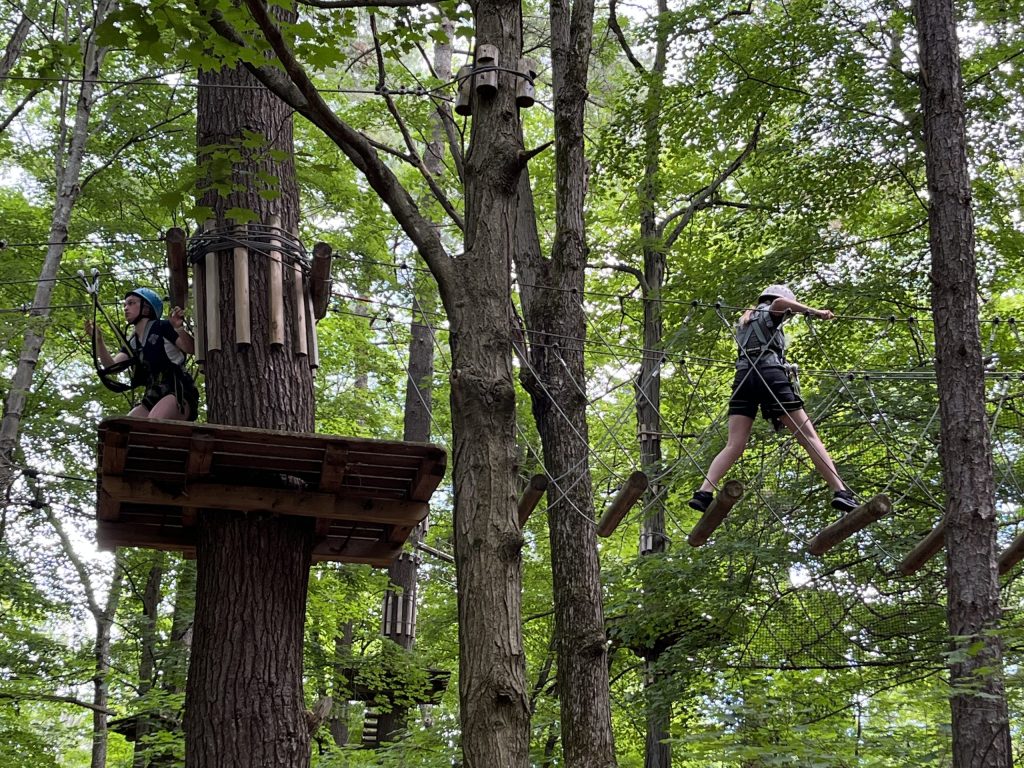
(183, 389)
(766, 387)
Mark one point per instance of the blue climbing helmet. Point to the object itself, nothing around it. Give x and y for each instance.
(149, 296)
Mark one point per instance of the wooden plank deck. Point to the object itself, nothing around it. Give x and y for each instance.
(154, 476)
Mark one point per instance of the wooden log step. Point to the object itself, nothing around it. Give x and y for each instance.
(871, 510)
(531, 497)
(925, 550)
(624, 500)
(726, 498)
(1011, 555)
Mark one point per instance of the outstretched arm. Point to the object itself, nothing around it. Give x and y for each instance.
(101, 346)
(781, 306)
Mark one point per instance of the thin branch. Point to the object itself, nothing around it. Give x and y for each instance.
(613, 25)
(708, 193)
(21, 105)
(638, 274)
(299, 92)
(150, 133)
(414, 157)
(16, 696)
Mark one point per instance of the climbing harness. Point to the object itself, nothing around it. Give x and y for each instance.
(106, 374)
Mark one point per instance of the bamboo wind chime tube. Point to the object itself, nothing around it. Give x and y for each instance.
(275, 285)
(301, 343)
(212, 280)
(243, 319)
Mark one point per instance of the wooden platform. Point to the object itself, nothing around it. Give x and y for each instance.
(155, 476)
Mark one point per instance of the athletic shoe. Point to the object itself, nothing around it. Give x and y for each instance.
(701, 500)
(844, 501)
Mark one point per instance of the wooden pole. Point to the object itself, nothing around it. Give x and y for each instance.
(871, 510)
(177, 266)
(314, 343)
(925, 550)
(199, 311)
(212, 279)
(624, 500)
(1011, 555)
(320, 280)
(528, 501)
(243, 319)
(276, 286)
(726, 498)
(301, 343)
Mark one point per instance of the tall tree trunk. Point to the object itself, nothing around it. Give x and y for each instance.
(981, 736)
(493, 696)
(69, 169)
(101, 651)
(151, 597)
(244, 701)
(557, 384)
(400, 601)
(12, 51)
(657, 752)
(475, 289)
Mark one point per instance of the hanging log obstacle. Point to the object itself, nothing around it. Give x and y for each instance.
(925, 550)
(366, 495)
(870, 511)
(531, 496)
(720, 507)
(624, 500)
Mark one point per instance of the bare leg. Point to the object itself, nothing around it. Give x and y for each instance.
(167, 408)
(799, 423)
(739, 433)
(139, 411)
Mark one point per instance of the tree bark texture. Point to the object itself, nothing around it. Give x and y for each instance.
(244, 697)
(657, 752)
(552, 292)
(244, 700)
(69, 169)
(475, 289)
(151, 596)
(494, 702)
(101, 652)
(981, 736)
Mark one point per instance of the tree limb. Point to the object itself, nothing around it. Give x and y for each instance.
(613, 25)
(18, 696)
(414, 157)
(701, 199)
(299, 92)
(331, 4)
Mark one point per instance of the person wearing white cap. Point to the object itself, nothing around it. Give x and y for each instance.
(762, 382)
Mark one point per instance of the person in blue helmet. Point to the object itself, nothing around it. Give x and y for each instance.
(762, 382)
(159, 348)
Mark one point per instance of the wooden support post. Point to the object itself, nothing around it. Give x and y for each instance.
(528, 501)
(720, 506)
(463, 106)
(333, 470)
(200, 457)
(624, 500)
(243, 319)
(320, 280)
(525, 94)
(275, 286)
(925, 550)
(177, 266)
(212, 279)
(486, 82)
(871, 510)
